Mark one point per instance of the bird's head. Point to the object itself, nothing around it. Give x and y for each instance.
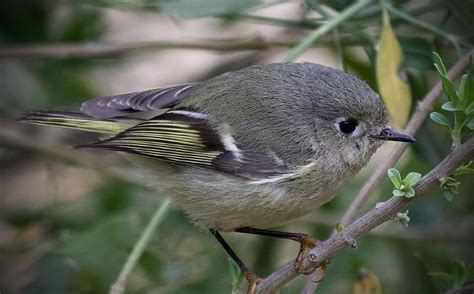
(350, 119)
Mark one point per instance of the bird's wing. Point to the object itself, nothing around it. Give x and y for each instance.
(125, 104)
(186, 137)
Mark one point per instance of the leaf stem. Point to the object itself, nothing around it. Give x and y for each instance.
(333, 22)
(119, 285)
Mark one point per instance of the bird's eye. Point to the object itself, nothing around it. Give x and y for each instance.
(348, 126)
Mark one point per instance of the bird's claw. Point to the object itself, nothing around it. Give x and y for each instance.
(307, 243)
(253, 281)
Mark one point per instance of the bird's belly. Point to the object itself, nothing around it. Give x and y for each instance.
(228, 204)
(222, 202)
(260, 209)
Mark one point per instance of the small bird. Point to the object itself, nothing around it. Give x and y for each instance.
(247, 150)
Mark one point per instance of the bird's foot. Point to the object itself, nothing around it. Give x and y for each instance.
(252, 280)
(307, 243)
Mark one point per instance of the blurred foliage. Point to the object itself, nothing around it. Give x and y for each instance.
(51, 82)
(80, 245)
(203, 8)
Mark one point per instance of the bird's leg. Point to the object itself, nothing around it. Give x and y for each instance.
(251, 278)
(306, 243)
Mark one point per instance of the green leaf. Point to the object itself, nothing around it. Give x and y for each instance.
(394, 91)
(470, 124)
(439, 118)
(395, 177)
(439, 64)
(410, 192)
(470, 108)
(411, 179)
(466, 88)
(448, 85)
(449, 193)
(236, 275)
(464, 169)
(449, 186)
(204, 8)
(403, 218)
(339, 227)
(450, 106)
(398, 193)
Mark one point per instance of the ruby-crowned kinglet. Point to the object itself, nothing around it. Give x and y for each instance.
(257, 147)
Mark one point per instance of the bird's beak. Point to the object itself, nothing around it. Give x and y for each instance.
(392, 135)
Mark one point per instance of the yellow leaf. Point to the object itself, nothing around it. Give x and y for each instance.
(394, 91)
(367, 283)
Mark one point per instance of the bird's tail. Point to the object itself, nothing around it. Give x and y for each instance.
(77, 120)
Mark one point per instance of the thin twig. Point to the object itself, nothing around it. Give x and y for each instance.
(378, 215)
(65, 50)
(296, 23)
(119, 286)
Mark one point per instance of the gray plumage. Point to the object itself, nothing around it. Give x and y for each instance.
(274, 142)
(288, 113)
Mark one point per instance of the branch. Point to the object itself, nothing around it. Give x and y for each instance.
(64, 50)
(378, 215)
(455, 232)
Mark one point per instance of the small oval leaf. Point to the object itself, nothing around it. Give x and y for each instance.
(411, 179)
(410, 192)
(398, 193)
(450, 106)
(395, 177)
(439, 118)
